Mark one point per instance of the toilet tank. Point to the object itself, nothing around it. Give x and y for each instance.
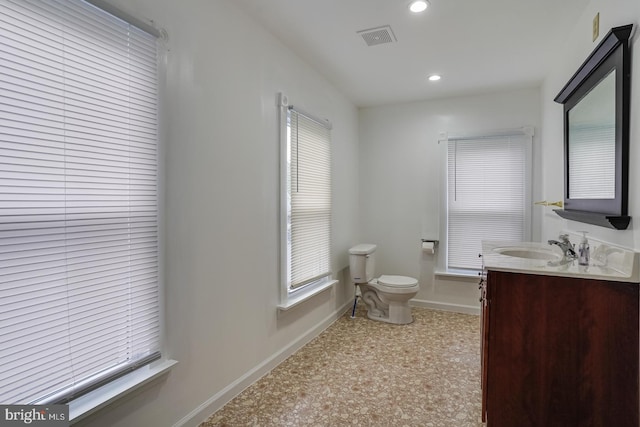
(362, 262)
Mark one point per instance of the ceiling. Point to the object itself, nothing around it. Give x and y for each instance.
(477, 46)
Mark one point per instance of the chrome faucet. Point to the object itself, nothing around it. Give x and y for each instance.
(565, 245)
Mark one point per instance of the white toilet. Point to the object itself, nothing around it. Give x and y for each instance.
(387, 297)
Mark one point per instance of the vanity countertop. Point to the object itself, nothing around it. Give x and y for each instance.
(608, 262)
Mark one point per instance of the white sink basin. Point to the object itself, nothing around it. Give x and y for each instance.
(608, 261)
(529, 253)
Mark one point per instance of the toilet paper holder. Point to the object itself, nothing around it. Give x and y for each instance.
(429, 246)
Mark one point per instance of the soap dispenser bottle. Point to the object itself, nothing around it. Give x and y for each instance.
(583, 250)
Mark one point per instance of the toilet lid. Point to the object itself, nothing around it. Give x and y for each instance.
(397, 281)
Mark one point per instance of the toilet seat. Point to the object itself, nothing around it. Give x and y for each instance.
(397, 281)
(395, 284)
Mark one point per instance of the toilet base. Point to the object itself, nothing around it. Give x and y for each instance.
(400, 316)
(396, 312)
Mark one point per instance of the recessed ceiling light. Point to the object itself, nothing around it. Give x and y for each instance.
(434, 77)
(418, 6)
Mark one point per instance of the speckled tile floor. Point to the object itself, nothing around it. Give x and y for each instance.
(360, 372)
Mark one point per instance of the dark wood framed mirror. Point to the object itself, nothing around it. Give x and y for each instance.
(596, 135)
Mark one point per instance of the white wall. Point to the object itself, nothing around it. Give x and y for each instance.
(577, 47)
(400, 188)
(221, 234)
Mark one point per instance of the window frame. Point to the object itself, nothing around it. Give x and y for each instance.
(93, 399)
(291, 297)
(527, 133)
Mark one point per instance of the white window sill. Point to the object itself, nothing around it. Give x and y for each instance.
(459, 274)
(305, 295)
(91, 402)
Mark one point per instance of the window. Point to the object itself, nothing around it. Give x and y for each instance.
(306, 205)
(79, 295)
(488, 194)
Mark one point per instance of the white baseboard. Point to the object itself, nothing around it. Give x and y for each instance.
(443, 306)
(218, 400)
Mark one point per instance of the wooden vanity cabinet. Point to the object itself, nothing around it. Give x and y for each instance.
(559, 351)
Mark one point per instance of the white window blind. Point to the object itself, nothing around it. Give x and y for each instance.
(79, 299)
(487, 194)
(592, 159)
(309, 190)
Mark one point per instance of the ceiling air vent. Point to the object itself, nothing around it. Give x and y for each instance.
(379, 35)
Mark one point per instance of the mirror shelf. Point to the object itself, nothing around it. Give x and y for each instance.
(618, 222)
(596, 135)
